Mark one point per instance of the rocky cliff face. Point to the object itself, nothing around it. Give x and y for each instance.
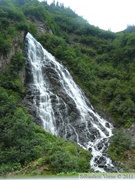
(61, 107)
(18, 41)
(42, 27)
(17, 45)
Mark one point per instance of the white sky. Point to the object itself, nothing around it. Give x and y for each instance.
(112, 15)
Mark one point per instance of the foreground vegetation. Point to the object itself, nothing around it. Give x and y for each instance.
(101, 62)
(26, 148)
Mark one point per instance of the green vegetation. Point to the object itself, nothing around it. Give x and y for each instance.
(59, 156)
(101, 62)
(32, 151)
(122, 150)
(22, 142)
(120, 142)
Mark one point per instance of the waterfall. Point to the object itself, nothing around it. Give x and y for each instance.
(63, 107)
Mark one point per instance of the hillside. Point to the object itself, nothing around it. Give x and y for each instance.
(101, 62)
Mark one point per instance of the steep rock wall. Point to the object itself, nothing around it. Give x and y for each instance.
(42, 27)
(17, 45)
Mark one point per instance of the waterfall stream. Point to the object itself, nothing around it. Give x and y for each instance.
(62, 106)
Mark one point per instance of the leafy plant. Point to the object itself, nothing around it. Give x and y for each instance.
(119, 143)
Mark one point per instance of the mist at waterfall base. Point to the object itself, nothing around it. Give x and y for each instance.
(62, 107)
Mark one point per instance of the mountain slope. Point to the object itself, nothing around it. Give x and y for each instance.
(101, 62)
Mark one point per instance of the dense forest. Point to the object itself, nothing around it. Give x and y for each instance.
(101, 62)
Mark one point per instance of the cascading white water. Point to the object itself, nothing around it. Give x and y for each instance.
(62, 106)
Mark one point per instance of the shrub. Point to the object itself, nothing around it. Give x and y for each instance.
(119, 143)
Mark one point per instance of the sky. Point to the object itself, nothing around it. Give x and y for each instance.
(113, 15)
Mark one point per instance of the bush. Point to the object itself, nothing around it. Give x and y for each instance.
(119, 143)
(17, 62)
(4, 168)
(64, 156)
(19, 140)
(63, 162)
(5, 45)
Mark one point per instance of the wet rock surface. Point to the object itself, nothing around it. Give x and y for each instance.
(61, 107)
